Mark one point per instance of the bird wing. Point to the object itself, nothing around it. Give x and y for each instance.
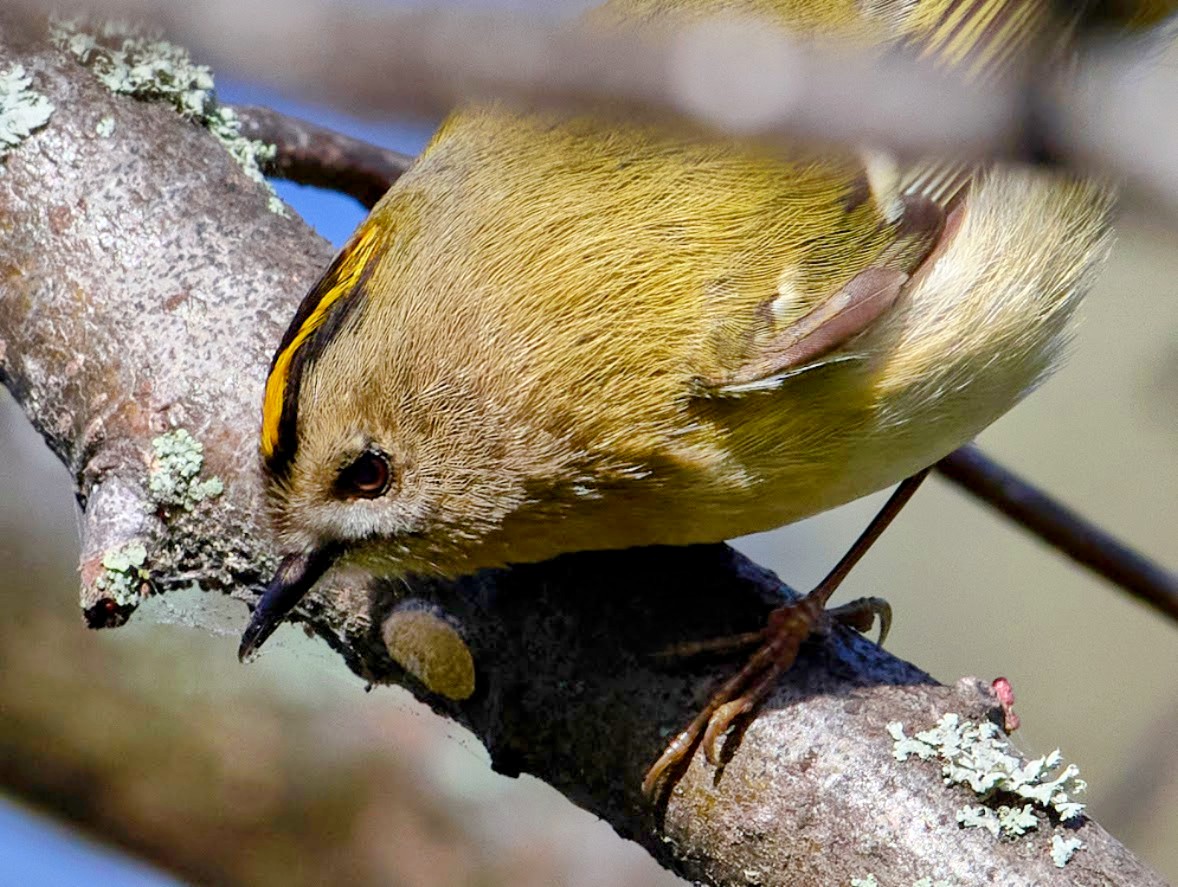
(981, 39)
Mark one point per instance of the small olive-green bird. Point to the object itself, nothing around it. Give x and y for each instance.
(559, 332)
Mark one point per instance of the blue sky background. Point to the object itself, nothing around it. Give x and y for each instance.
(37, 852)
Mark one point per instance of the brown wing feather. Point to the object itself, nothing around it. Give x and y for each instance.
(982, 39)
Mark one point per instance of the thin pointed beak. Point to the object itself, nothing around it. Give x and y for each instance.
(296, 575)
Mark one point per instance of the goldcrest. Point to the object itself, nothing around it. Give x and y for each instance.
(561, 333)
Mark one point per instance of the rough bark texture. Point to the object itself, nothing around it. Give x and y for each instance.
(143, 284)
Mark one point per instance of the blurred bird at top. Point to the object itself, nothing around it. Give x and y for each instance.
(559, 332)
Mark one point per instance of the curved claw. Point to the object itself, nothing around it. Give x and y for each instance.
(740, 694)
(724, 717)
(677, 749)
(884, 612)
(861, 615)
(727, 714)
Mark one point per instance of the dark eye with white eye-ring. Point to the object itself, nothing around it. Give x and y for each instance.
(367, 477)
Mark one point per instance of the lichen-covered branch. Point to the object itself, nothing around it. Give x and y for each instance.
(143, 284)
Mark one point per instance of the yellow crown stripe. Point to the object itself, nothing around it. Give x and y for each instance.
(334, 285)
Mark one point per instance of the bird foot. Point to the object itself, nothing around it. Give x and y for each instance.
(778, 646)
(776, 650)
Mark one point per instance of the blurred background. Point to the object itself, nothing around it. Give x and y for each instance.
(152, 739)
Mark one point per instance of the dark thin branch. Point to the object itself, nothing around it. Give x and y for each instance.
(1062, 528)
(315, 155)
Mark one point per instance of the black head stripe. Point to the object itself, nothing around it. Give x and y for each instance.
(323, 312)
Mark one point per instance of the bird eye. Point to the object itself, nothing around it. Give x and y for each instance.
(365, 478)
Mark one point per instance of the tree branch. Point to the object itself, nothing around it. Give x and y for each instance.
(1062, 528)
(143, 283)
(315, 155)
(744, 79)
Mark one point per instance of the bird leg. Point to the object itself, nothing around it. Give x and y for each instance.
(778, 644)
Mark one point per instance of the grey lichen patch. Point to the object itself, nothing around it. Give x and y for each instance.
(22, 110)
(251, 154)
(134, 62)
(978, 756)
(1063, 849)
(174, 483)
(1013, 822)
(105, 127)
(123, 574)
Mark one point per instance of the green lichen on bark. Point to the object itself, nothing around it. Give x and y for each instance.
(976, 755)
(174, 482)
(22, 110)
(124, 573)
(130, 61)
(1064, 848)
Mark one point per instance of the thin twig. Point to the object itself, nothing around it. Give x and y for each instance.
(315, 155)
(1062, 528)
